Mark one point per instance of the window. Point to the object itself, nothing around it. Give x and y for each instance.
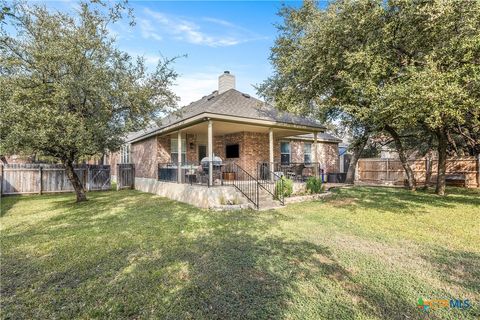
(174, 150)
(285, 152)
(125, 154)
(232, 151)
(202, 152)
(307, 152)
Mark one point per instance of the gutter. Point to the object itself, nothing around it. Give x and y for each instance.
(234, 119)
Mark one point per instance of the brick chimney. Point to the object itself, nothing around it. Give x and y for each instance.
(226, 81)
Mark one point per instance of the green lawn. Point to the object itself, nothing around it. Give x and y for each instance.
(365, 253)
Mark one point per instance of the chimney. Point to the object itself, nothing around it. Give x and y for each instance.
(226, 81)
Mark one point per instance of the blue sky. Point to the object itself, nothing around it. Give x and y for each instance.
(215, 36)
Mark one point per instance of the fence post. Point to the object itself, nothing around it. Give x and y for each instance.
(1, 179)
(478, 170)
(427, 171)
(133, 176)
(40, 183)
(386, 176)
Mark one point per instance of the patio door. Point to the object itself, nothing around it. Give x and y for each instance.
(202, 152)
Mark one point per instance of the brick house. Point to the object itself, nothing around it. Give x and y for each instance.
(232, 127)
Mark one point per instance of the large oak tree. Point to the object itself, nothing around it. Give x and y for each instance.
(67, 91)
(395, 66)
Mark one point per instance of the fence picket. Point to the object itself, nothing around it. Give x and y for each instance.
(48, 178)
(390, 171)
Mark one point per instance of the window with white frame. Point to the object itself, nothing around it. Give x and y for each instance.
(125, 154)
(285, 152)
(174, 150)
(307, 152)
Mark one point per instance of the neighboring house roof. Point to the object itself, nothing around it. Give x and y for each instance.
(229, 103)
(321, 136)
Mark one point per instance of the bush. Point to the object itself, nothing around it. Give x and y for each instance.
(287, 187)
(314, 185)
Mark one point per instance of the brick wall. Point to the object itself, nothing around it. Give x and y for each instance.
(163, 149)
(327, 153)
(143, 156)
(112, 160)
(253, 148)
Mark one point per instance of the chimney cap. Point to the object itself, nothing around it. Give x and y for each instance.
(226, 72)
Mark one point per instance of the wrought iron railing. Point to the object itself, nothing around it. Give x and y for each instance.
(271, 182)
(296, 171)
(190, 173)
(243, 181)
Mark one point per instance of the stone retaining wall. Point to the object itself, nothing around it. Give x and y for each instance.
(199, 196)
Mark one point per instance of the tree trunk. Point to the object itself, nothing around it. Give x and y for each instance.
(428, 170)
(76, 183)
(359, 145)
(442, 161)
(412, 184)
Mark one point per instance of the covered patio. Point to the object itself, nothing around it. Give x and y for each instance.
(213, 151)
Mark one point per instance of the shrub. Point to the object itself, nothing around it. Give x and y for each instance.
(287, 187)
(314, 185)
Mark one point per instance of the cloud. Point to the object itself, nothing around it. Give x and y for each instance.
(148, 31)
(187, 30)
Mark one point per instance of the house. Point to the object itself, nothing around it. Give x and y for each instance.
(238, 133)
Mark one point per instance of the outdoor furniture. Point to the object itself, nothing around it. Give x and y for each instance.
(456, 180)
(191, 176)
(296, 172)
(228, 176)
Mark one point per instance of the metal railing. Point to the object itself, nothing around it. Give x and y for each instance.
(190, 173)
(296, 171)
(242, 181)
(271, 182)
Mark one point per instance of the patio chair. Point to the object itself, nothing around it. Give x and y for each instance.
(298, 172)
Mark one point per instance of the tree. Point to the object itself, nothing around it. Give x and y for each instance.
(394, 66)
(66, 91)
(436, 84)
(311, 59)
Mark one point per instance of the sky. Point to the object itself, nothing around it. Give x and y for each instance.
(215, 36)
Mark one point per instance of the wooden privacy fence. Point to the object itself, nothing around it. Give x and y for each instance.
(50, 178)
(391, 172)
(125, 176)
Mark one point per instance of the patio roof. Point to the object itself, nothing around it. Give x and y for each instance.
(231, 105)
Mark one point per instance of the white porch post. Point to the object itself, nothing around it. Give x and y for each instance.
(270, 141)
(315, 157)
(179, 152)
(210, 152)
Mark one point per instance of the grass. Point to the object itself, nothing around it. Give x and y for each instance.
(365, 253)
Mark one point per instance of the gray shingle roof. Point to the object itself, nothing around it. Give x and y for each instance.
(231, 103)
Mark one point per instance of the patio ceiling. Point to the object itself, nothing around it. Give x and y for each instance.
(224, 127)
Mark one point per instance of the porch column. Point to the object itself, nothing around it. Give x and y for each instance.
(270, 141)
(179, 152)
(314, 156)
(210, 152)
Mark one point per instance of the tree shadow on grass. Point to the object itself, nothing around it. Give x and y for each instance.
(400, 200)
(156, 258)
(459, 268)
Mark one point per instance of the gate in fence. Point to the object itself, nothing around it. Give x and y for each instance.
(50, 178)
(125, 176)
